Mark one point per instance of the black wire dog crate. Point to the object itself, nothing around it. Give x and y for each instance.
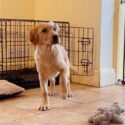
(17, 54)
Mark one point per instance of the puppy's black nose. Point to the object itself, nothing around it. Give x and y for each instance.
(55, 39)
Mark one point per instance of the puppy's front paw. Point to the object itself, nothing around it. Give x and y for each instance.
(43, 108)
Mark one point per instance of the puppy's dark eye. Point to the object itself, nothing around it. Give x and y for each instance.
(54, 28)
(44, 30)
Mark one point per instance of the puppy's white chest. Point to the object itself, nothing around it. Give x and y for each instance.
(45, 59)
(44, 56)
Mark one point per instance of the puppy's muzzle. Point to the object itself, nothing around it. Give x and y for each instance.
(55, 39)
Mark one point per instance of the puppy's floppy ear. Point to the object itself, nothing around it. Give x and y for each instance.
(55, 25)
(33, 35)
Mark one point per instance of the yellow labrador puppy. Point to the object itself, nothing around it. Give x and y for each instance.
(51, 59)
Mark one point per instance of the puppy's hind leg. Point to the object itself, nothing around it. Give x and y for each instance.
(44, 90)
(52, 86)
(69, 92)
(67, 76)
(65, 84)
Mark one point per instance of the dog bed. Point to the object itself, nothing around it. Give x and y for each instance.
(8, 89)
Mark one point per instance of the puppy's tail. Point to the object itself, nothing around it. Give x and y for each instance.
(73, 69)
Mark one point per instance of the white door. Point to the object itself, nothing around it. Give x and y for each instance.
(121, 39)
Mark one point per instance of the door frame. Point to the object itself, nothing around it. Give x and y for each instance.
(120, 53)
